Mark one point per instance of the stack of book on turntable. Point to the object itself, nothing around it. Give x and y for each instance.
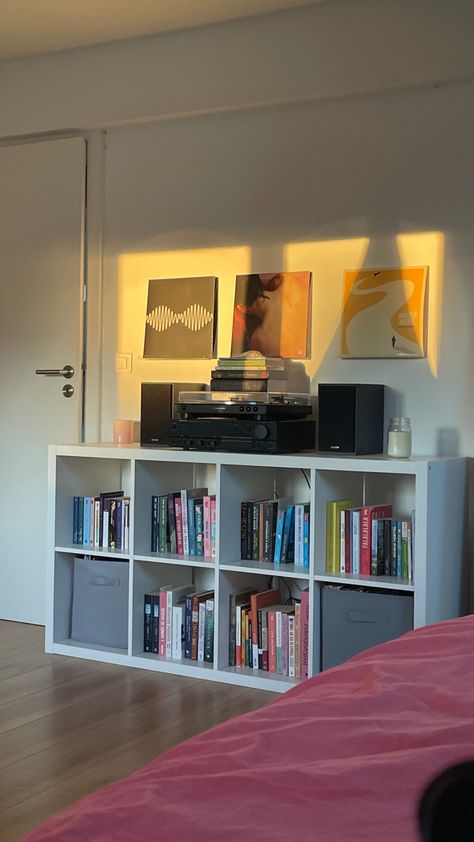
(259, 375)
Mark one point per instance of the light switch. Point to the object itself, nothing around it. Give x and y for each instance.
(123, 363)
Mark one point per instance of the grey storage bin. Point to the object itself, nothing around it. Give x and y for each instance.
(100, 603)
(353, 620)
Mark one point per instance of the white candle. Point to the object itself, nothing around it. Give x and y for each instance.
(399, 443)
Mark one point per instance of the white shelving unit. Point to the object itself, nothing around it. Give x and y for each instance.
(433, 487)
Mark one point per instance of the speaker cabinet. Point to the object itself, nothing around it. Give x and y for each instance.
(351, 418)
(157, 407)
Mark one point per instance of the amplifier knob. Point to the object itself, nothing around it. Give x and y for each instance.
(260, 432)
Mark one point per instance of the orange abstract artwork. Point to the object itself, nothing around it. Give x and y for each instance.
(383, 313)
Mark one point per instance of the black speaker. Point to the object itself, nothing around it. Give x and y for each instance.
(157, 405)
(350, 418)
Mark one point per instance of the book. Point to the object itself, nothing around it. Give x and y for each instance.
(355, 540)
(80, 521)
(260, 600)
(254, 374)
(288, 534)
(206, 525)
(172, 524)
(192, 527)
(201, 630)
(155, 621)
(236, 600)
(299, 541)
(198, 599)
(247, 385)
(272, 652)
(367, 516)
(304, 632)
(179, 524)
(209, 631)
(213, 525)
(199, 525)
(333, 533)
(188, 621)
(174, 595)
(279, 535)
(155, 520)
(75, 519)
(147, 631)
(163, 523)
(177, 633)
(242, 361)
(306, 536)
(87, 521)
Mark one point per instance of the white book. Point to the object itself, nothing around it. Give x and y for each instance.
(174, 596)
(97, 522)
(201, 630)
(299, 541)
(177, 632)
(238, 625)
(291, 645)
(126, 526)
(105, 530)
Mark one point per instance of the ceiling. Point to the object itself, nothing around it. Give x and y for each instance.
(29, 27)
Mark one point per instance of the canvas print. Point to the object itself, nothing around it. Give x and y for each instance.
(272, 314)
(181, 318)
(383, 313)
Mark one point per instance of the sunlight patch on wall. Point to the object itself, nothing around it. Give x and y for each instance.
(420, 249)
(327, 260)
(135, 270)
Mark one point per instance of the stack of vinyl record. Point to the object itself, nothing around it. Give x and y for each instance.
(258, 374)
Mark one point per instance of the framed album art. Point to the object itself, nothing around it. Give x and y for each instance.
(272, 314)
(181, 318)
(384, 313)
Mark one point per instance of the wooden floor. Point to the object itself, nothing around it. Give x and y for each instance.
(69, 726)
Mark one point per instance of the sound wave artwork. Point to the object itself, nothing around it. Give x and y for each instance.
(180, 319)
(194, 317)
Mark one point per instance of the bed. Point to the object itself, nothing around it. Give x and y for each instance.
(343, 756)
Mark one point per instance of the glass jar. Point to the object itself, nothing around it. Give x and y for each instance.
(399, 438)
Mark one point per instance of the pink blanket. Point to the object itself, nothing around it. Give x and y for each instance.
(342, 757)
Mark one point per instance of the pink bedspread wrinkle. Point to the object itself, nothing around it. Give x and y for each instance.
(343, 756)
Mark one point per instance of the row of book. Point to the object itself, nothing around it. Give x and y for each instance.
(368, 540)
(179, 623)
(273, 531)
(102, 521)
(258, 374)
(184, 523)
(266, 634)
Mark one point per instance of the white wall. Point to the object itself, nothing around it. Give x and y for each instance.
(372, 139)
(376, 181)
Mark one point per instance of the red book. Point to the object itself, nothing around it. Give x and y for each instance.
(260, 600)
(368, 514)
(272, 648)
(162, 621)
(304, 632)
(179, 525)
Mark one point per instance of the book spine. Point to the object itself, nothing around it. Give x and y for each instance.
(288, 531)
(298, 640)
(330, 537)
(199, 526)
(232, 635)
(207, 526)
(304, 633)
(179, 526)
(209, 632)
(163, 523)
(278, 642)
(374, 550)
(306, 538)
(188, 625)
(119, 523)
(387, 546)
(267, 508)
(342, 553)
(155, 626)
(279, 535)
(272, 653)
(395, 557)
(97, 522)
(177, 633)
(299, 513)
(75, 519)
(126, 525)
(355, 516)
(213, 525)
(191, 527)
(172, 524)
(169, 623)
(365, 540)
(265, 640)
(184, 521)
(87, 521)
(195, 628)
(291, 646)
(347, 547)
(162, 636)
(238, 636)
(154, 523)
(201, 630)
(244, 530)
(105, 524)
(255, 531)
(147, 632)
(80, 521)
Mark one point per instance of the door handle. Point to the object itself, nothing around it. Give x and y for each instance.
(67, 371)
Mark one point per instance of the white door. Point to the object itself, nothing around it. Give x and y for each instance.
(42, 189)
